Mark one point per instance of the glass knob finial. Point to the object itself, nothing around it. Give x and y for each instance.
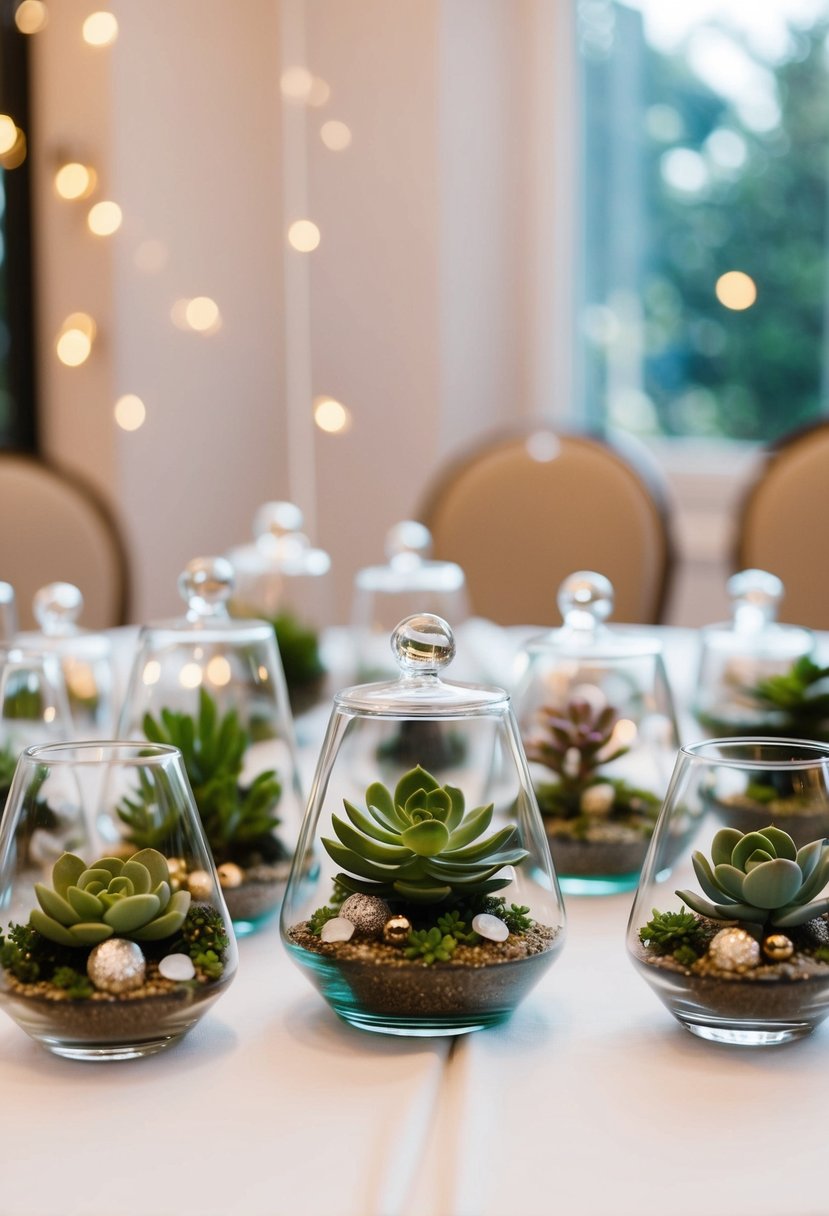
(585, 599)
(206, 584)
(56, 608)
(755, 597)
(423, 643)
(277, 519)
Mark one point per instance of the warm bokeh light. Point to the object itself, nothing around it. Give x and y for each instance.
(304, 236)
(152, 672)
(202, 314)
(74, 342)
(31, 16)
(130, 412)
(74, 180)
(16, 154)
(104, 218)
(331, 416)
(296, 84)
(335, 135)
(100, 29)
(190, 675)
(8, 133)
(151, 256)
(736, 290)
(218, 671)
(319, 92)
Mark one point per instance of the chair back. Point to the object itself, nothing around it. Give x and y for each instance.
(55, 529)
(524, 509)
(781, 519)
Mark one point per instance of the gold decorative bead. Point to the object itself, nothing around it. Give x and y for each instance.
(230, 875)
(200, 884)
(178, 872)
(396, 930)
(778, 947)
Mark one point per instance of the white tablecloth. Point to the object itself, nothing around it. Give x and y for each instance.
(590, 1100)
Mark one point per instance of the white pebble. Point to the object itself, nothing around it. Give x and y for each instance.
(490, 927)
(338, 929)
(177, 967)
(597, 799)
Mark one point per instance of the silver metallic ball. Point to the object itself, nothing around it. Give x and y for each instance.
(734, 950)
(116, 965)
(396, 930)
(778, 947)
(367, 913)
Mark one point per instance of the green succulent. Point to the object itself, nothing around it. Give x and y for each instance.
(417, 845)
(430, 946)
(760, 878)
(666, 932)
(111, 898)
(213, 750)
(576, 742)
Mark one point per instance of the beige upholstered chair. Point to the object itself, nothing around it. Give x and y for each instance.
(782, 521)
(53, 528)
(523, 510)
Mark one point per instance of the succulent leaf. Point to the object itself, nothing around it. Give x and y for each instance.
(760, 878)
(417, 844)
(107, 898)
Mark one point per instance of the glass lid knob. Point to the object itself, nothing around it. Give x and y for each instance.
(277, 519)
(585, 600)
(755, 597)
(423, 644)
(206, 584)
(408, 542)
(56, 608)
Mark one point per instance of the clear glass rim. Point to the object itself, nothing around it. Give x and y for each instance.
(811, 753)
(100, 752)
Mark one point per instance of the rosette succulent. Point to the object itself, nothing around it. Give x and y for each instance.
(111, 898)
(760, 878)
(418, 845)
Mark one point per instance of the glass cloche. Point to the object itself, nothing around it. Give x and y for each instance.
(757, 676)
(280, 577)
(214, 687)
(85, 657)
(409, 581)
(597, 721)
(431, 906)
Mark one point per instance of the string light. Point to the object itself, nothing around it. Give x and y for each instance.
(8, 133)
(130, 412)
(736, 290)
(319, 92)
(31, 16)
(331, 416)
(335, 135)
(304, 236)
(296, 84)
(74, 180)
(74, 342)
(100, 29)
(104, 218)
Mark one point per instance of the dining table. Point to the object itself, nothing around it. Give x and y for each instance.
(590, 1099)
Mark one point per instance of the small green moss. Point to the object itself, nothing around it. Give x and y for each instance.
(209, 963)
(685, 955)
(204, 929)
(77, 985)
(317, 919)
(822, 954)
(430, 946)
(665, 932)
(453, 924)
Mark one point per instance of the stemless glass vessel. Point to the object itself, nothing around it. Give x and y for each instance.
(282, 578)
(33, 707)
(597, 720)
(107, 954)
(85, 657)
(735, 945)
(214, 687)
(432, 906)
(755, 675)
(409, 582)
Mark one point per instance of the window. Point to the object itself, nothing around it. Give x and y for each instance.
(706, 138)
(17, 386)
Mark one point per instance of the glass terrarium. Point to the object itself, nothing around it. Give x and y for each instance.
(213, 687)
(85, 657)
(282, 578)
(409, 582)
(736, 944)
(105, 952)
(33, 706)
(8, 613)
(432, 906)
(757, 676)
(597, 721)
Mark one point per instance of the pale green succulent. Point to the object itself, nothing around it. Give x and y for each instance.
(760, 878)
(417, 845)
(111, 898)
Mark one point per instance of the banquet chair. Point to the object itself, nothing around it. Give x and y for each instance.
(781, 518)
(55, 529)
(525, 508)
